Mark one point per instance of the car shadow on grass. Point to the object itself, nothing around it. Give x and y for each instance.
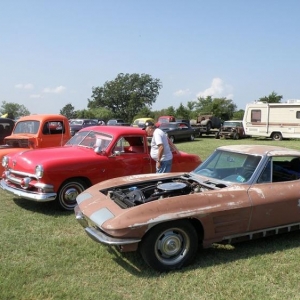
(217, 254)
(46, 208)
(223, 254)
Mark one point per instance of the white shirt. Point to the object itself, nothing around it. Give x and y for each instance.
(158, 138)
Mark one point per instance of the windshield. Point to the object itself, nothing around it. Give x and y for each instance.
(76, 122)
(229, 166)
(163, 120)
(167, 126)
(90, 139)
(232, 124)
(27, 127)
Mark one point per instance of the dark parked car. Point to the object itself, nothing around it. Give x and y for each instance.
(184, 121)
(117, 122)
(6, 127)
(179, 131)
(77, 124)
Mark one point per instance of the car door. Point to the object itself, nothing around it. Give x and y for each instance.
(51, 134)
(179, 132)
(274, 203)
(185, 131)
(124, 162)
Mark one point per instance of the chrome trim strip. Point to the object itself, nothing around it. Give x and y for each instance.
(37, 185)
(264, 232)
(102, 238)
(28, 195)
(22, 173)
(80, 217)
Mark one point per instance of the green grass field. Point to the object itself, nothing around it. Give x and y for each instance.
(45, 254)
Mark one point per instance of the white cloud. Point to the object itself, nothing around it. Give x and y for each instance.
(181, 93)
(218, 89)
(27, 86)
(57, 90)
(36, 96)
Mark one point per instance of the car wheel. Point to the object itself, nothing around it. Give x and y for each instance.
(277, 136)
(236, 136)
(69, 190)
(208, 127)
(192, 137)
(170, 245)
(172, 138)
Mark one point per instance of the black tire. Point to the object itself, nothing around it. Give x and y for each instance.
(277, 136)
(68, 191)
(192, 137)
(172, 138)
(169, 246)
(217, 135)
(236, 136)
(208, 127)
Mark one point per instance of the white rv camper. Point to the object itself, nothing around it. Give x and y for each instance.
(274, 120)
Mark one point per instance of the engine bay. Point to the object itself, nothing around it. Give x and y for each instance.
(133, 195)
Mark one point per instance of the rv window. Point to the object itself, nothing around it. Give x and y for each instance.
(297, 114)
(256, 115)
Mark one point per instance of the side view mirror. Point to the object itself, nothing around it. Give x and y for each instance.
(117, 153)
(97, 150)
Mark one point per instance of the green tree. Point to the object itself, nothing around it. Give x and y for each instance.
(68, 111)
(144, 113)
(126, 95)
(182, 112)
(95, 113)
(204, 105)
(13, 110)
(101, 113)
(220, 107)
(169, 111)
(224, 108)
(85, 114)
(238, 115)
(191, 106)
(272, 98)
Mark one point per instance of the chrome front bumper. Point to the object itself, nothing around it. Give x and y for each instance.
(99, 236)
(27, 194)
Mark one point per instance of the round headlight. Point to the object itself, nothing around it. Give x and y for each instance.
(5, 161)
(39, 171)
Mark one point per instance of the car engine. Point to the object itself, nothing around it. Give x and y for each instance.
(131, 196)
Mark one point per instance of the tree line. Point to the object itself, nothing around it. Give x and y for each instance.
(131, 96)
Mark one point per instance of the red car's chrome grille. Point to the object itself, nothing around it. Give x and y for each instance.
(20, 179)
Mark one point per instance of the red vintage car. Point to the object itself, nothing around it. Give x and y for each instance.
(92, 155)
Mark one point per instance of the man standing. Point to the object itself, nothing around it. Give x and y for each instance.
(160, 149)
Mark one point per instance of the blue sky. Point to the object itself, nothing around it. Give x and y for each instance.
(53, 52)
